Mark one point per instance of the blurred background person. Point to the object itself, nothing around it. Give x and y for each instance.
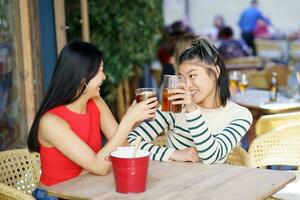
(218, 24)
(247, 23)
(6, 74)
(166, 50)
(262, 29)
(166, 53)
(179, 26)
(230, 47)
(183, 43)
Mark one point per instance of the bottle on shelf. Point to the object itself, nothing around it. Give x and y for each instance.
(274, 87)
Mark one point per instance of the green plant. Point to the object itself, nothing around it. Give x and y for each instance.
(4, 15)
(73, 19)
(127, 32)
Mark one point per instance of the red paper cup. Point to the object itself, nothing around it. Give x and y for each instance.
(130, 173)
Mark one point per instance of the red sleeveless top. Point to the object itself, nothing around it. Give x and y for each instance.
(55, 166)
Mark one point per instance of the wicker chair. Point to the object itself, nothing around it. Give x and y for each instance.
(267, 123)
(262, 79)
(294, 51)
(238, 156)
(19, 176)
(268, 49)
(244, 63)
(280, 146)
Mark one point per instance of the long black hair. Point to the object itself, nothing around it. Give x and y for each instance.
(204, 51)
(76, 65)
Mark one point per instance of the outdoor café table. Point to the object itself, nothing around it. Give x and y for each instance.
(257, 101)
(182, 180)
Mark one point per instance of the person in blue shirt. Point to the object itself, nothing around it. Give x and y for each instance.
(247, 23)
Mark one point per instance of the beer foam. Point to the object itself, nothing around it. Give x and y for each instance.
(147, 93)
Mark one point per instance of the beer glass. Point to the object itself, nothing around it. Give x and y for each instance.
(243, 83)
(170, 82)
(234, 77)
(142, 94)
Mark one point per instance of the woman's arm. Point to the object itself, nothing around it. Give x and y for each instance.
(149, 130)
(215, 147)
(108, 123)
(55, 132)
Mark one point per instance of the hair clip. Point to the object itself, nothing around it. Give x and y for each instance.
(206, 44)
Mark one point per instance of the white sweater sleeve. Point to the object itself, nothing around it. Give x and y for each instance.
(214, 147)
(149, 130)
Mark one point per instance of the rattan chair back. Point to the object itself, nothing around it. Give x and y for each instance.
(20, 173)
(294, 51)
(262, 79)
(267, 123)
(280, 146)
(238, 156)
(258, 79)
(244, 63)
(268, 49)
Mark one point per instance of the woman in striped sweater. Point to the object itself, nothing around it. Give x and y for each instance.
(210, 125)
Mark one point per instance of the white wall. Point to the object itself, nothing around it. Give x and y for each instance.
(284, 14)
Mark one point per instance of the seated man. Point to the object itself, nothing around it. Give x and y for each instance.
(230, 47)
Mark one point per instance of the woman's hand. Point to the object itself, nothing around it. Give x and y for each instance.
(142, 111)
(186, 155)
(183, 96)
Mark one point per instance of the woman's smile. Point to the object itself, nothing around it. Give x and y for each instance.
(100, 84)
(194, 91)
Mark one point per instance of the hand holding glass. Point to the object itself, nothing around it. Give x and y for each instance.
(142, 94)
(170, 82)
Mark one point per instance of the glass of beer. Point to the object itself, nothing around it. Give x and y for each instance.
(243, 83)
(142, 94)
(234, 77)
(170, 82)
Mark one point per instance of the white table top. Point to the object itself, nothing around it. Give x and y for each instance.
(260, 99)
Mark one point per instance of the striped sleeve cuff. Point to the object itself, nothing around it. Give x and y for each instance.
(161, 153)
(157, 152)
(167, 155)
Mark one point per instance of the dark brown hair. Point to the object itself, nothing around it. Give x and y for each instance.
(204, 51)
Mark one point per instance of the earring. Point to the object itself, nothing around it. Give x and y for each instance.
(86, 86)
(85, 90)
